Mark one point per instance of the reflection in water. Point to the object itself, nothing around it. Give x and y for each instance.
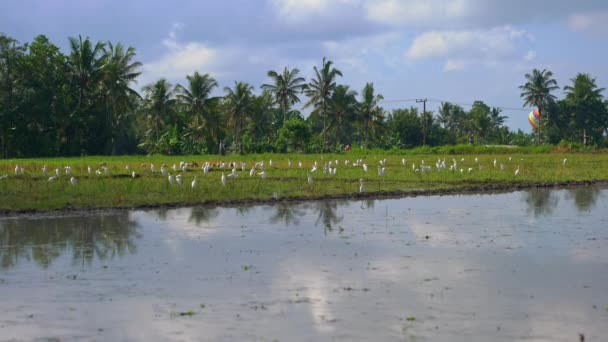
(200, 215)
(584, 198)
(327, 213)
(289, 213)
(45, 239)
(541, 201)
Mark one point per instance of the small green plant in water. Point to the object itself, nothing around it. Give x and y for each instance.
(410, 318)
(247, 267)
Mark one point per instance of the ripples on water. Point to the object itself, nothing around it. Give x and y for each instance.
(523, 265)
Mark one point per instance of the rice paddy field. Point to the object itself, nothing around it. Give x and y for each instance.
(111, 183)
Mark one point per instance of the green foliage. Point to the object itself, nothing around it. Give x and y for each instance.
(83, 102)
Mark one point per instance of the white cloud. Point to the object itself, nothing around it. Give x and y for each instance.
(453, 65)
(462, 47)
(299, 10)
(408, 12)
(182, 59)
(531, 55)
(596, 22)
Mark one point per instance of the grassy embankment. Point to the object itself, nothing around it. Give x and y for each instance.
(33, 191)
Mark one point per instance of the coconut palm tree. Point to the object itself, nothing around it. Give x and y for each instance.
(85, 62)
(320, 90)
(197, 100)
(238, 106)
(342, 111)
(119, 71)
(537, 91)
(586, 101)
(160, 103)
(285, 88)
(369, 108)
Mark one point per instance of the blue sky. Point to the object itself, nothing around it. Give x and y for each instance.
(456, 50)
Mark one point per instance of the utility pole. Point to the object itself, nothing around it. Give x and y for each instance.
(424, 123)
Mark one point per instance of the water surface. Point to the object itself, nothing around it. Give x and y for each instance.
(530, 265)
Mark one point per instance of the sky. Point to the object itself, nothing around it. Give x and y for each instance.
(443, 50)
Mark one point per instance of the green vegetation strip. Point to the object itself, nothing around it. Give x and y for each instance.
(32, 191)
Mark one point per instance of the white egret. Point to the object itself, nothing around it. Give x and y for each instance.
(52, 178)
(470, 169)
(179, 179)
(127, 167)
(98, 171)
(45, 169)
(17, 169)
(252, 172)
(564, 161)
(224, 179)
(403, 161)
(233, 174)
(365, 167)
(89, 169)
(133, 174)
(262, 174)
(4, 176)
(193, 184)
(152, 168)
(309, 178)
(300, 164)
(361, 186)
(170, 178)
(73, 181)
(163, 169)
(288, 163)
(494, 162)
(68, 170)
(243, 166)
(517, 171)
(57, 172)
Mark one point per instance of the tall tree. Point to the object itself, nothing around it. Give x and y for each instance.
(197, 100)
(11, 54)
(85, 64)
(537, 92)
(587, 105)
(369, 109)
(342, 112)
(118, 74)
(320, 90)
(285, 88)
(159, 104)
(238, 105)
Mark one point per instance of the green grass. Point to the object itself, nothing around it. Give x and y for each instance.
(32, 191)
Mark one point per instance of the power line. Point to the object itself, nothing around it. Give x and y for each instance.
(459, 103)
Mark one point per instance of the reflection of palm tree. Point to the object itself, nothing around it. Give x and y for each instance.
(327, 213)
(584, 198)
(200, 215)
(540, 201)
(44, 240)
(288, 213)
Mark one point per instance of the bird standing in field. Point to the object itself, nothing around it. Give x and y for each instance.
(73, 181)
(309, 178)
(179, 179)
(133, 174)
(45, 169)
(170, 178)
(57, 172)
(193, 184)
(517, 171)
(361, 186)
(252, 172)
(224, 179)
(564, 161)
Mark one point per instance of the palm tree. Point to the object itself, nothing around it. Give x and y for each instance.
(537, 91)
(320, 90)
(85, 65)
(285, 88)
(197, 98)
(238, 102)
(160, 102)
(342, 111)
(586, 100)
(119, 71)
(369, 108)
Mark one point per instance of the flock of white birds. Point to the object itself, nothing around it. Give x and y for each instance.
(259, 169)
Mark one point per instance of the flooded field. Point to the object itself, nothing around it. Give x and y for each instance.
(529, 266)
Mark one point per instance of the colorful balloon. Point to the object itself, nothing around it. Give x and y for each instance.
(534, 118)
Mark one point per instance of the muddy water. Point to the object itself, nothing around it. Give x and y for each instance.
(529, 265)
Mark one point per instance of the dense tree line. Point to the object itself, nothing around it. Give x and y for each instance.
(84, 103)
